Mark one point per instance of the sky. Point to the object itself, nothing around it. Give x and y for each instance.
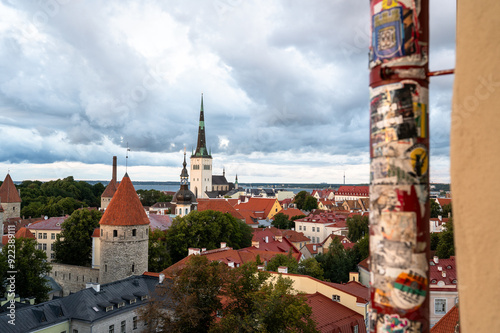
(284, 82)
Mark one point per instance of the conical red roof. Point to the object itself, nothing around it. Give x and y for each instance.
(110, 190)
(24, 233)
(125, 208)
(8, 191)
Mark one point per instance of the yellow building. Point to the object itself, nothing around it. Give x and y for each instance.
(46, 232)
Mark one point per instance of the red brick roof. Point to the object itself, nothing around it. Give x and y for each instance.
(272, 243)
(446, 266)
(125, 208)
(24, 233)
(365, 263)
(295, 236)
(310, 248)
(353, 190)
(219, 205)
(443, 202)
(8, 191)
(257, 205)
(331, 316)
(448, 322)
(353, 288)
(110, 189)
(249, 217)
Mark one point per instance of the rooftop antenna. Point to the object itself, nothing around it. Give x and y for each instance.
(126, 159)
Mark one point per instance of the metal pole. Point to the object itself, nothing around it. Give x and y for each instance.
(399, 171)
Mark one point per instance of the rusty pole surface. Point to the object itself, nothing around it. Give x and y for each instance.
(399, 166)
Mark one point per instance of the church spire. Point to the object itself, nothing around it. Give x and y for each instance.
(201, 147)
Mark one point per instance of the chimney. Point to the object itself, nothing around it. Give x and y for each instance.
(444, 274)
(267, 239)
(440, 268)
(260, 267)
(161, 278)
(279, 238)
(114, 168)
(193, 250)
(436, 259)
(354, 276)
(255, 244)
(283, 269)
(95, 286)
(223, 245)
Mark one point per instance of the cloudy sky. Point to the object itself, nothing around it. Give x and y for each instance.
(285, 87)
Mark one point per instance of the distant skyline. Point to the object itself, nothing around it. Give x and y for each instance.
(285, 87)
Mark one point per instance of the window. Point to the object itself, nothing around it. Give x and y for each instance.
(111, 329)
(313, 229)
(196, 167)
(336, 298)
(102, 232)
(109, 308)
(206, 167)
(53, 236)
(40, 246)
(52, 247)
(440, 306)
(115, 233)
(39, 235)
(300, 228)
(134, 232)
(133, 300)
(304, 228)
(134, 323)
(123, 326)
(52, 256)
(44, 247)
(105, 268)
(355, 329)
(75, 331)
(69, 276)
(133, 266)
(44, 235)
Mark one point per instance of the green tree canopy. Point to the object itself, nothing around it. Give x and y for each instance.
(31, 266)
(310, 203)
(311, 267)
(73, 245)
(435, 209)
(158, 255)
(150, 197)
(281, 221)
(358, 227)
(206, 229)
(337, 262)
(300, 199)
(446, 244)
(447, 210)
(283, 260)
(434, 240)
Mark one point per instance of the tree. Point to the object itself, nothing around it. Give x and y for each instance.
(336, 263)
(310, 203)
(283, 260)
(73, 245)
(150, 197)
(158, 255)
(311, 267)
(358, 227)
(206, 229)
(435, 209)
(447, 210)
(363, 246)
(296, 217)
(281, 221)
(434, 240)
(446, 245)
(31, 266)
(300, 199)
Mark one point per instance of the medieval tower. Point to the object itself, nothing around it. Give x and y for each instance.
(201, 162)
(184, 199)
(124, 235)
(10, 200)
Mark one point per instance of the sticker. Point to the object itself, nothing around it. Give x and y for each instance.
(399, 227)
(419, 158)
(410, 289)
(395, 324)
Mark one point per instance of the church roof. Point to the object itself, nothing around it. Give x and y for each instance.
(125, 208)
(8, 191)
(219, 180)
(110, 189)
(201, 147)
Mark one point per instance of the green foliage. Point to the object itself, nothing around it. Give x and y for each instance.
(300, 199)
(57, 197)
(281, 221)
(358, 227)
(310, 203)
(311, 267)
(150, 197)
(447, 210)
(158, 255)
(283, 260)
(363, 246)
(206, 229)
(73, 245)
(337, 262)
(435, 209)
(31, 266)
(296, 217)
(446, 245)
(434, 240)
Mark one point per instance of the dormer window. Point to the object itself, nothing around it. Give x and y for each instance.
(119, 305)
(109, 308)
(144, 297)
(133, 300)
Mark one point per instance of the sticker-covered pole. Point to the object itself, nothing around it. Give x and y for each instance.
(399, 166)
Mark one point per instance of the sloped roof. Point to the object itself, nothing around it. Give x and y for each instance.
(258, 205)
(436, 270)
(125, 208)
(250, 217)
(8, 191)
(219, 180)
(332, 316)
(24, 233)
(365, 263)
(291, 212)
(295, 236)
(353, 288)
(219, 205)
(53, 223)
(353, 190)
(162, 222)
(448, 322)
(310, 247)
(272, 243)
(110, 189)
(443, 202)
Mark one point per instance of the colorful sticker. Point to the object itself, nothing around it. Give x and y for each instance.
(410, 289)
(393, 323)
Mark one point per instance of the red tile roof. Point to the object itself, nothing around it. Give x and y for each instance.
(272, 243)
(291, 212)
(250, 217)
(125, 208)
(365, 263)
(219, 205)
(310, 248)
(448, 322)
(258, 205)
(443, 202)
(110, 189)
(96, 233)
(162, 222)
(353, 288)
(53, 223)
(353, 190)
(446, 266)
(331, 316)
(295, 236)
(8, 191)
(24, 233)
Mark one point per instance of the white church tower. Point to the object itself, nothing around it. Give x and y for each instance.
(201, 162)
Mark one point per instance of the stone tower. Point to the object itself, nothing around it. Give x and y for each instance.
(124, 235)
(184, 199)
(110, 190)
(201, 162)
(10, 199)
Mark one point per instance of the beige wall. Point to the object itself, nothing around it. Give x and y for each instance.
(475, 163)
(73, 278)
(48, 241)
